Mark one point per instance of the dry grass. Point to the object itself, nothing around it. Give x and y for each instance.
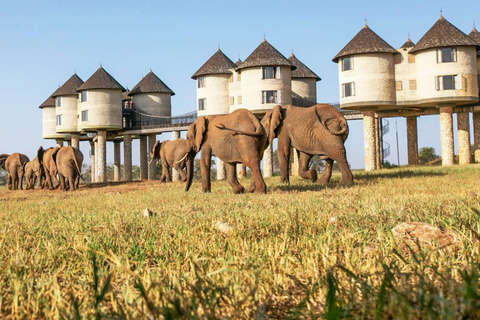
(301, 251)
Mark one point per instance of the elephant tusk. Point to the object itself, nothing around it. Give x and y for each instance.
(151, 161)
(184, 157)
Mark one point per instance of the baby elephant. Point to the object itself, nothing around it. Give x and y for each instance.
(178, 154)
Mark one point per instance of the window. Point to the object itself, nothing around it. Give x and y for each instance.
(201, 82)
(232, 100)
(398, 58)
(84, 96)
(59, 101)
(272, 96)
(202, 104)
(84, 115)
(412, 85)
(239, 99)
(230, 79)
(446, 55)
(271, 73)
(411, 58)
(239, 76)
(398, 85)
(450, 82)
(59, 120)
(347, 64)
(348, 89)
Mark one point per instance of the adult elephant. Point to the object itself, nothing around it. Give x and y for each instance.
(14, 164)
(318, 130)
(234, 138)
(34, 170)
(178, 154)
(50, 168)
(69, 163)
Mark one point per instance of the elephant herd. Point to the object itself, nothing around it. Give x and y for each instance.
(238, 137)
(64, 162)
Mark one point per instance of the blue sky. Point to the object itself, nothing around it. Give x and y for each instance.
(42, 43)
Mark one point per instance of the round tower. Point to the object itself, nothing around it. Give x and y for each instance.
(49, 121)
(151, 96)
(66, 98)
(266, 79)
(213, 96)
(366, 72)
(100, 105)
(304, 84)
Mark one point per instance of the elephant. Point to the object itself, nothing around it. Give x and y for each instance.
(234, 138)
(178, 154)
(317, 130)
(34, 171)
(50, 168)
(69, 163)
(14, 164)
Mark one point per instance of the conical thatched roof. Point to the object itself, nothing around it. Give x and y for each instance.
(265, 55)
(443, 34)
(218, 63)
(69, 87)
(302, 71)
(365, 41)
(475, 35)
(50, 102)
(101, 79)
(151, 84)
(408, 44)
(125, 95)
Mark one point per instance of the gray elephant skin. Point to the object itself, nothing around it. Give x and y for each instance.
(14, 164)
(34, 171)
(234, 138)
(318, 130)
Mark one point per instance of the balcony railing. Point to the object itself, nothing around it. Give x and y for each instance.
(134, 119)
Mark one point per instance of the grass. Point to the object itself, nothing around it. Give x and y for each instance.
(301, 251)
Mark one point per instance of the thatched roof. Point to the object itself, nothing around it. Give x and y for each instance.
(238, 62)
(475, 35)
(69, 87)
(125, 95)
(101, 79)
(219, 63)
(151, 84)
(365, 41)
(50, 102)
(302, 70)
(408, 44)
(265, 55)
(443, 34)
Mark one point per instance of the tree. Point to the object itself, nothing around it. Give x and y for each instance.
(426, 155)
(3, 177)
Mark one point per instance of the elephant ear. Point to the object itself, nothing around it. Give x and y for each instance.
(331, 119)
(272, 122)
(155, 151)
(40, 154)
(196, 131)
(3, 158)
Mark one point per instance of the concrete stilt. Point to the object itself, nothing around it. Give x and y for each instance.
(59, 143)
(220, 169)
(446, 135)
(92, 161)
(294, 162)
(463, 135)
(175, 175)
(102, 156)
(241, 171)
(412, 141)
(152, 167)
(75, 140)
(476, 136)
(96, 160)
(127, 157)
(377, 145)
(116, 161)
(369, 139)
(143, 158)
(267, 162)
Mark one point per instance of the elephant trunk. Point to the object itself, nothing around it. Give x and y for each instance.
(190, 161)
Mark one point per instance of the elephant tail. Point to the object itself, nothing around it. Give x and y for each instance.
(258, 133)
(79, 170)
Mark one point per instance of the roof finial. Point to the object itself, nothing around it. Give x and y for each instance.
(219, 46)
(264, 37)
(441, 14)
(365, 26)
(474, 29)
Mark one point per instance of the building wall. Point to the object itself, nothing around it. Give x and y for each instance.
(305, 88)
(235, 91)
(49, 128)
(374, 79)
(253, 85)
(68, 111)
(405, 70)
(216, 94)
(427, 69)
(158, 104)
(104, 110)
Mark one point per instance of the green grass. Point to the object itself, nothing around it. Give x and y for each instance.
(301, 251)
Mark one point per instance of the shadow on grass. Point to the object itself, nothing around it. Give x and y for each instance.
(110, 184)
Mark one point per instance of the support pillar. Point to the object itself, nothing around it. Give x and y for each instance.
(152, 166)
(116, 161)
(463, 135)
(127, 157)
(476, 136)
(241, 171)
(446, 135)
(102, 156)
(59, 143)
(143, 158)
(92, 162)
(96, 159)
(175, 175)
(220, 169)
(412, 141)
(377, 144)
(75, 140)
(369, 139)
(294, 163)
(267, 162)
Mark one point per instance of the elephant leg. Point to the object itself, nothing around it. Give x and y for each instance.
(205, 164)
(20, 180)
(327, 172)
(62, 183)
(71, 183)
(303, 161)
(283, 154)
(48, 180)
(178, 167)
(231, 170)
(166, 171)
(341, 157)
(56, 182)
(259, 183)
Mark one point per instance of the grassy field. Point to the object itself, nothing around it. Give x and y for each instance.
(301, 251)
